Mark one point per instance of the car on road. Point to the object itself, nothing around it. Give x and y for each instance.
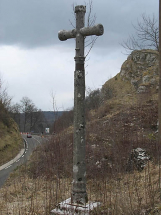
(29, 135)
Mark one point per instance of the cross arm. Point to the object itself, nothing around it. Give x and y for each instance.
(97, 30)
(64, 35)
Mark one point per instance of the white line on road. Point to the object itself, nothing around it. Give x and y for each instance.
(8, 166)
(36, 139)
(18, 157)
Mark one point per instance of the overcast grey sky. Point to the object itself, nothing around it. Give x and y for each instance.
(34, 63)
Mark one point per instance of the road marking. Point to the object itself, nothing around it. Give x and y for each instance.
(18, 160)
(36, 139)
(8, 166)
(4, 166)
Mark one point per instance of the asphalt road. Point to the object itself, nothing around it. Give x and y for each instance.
(31, 144)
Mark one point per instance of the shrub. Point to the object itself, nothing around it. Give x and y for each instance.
(93, 99)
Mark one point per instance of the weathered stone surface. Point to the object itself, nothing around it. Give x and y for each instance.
(140, 68)
(68, 208)
(157, 88)
(146, 79)
(142, 89)
(137, 160)
(135, 83)
(153, 81)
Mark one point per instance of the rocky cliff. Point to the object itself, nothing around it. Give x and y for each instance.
(141, 69)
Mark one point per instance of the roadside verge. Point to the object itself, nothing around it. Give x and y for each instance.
(20, 154)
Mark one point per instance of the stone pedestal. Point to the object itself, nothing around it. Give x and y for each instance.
(66, 208)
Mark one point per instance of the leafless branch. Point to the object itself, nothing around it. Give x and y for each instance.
(92, 44)
(90, 22)
(146, 35)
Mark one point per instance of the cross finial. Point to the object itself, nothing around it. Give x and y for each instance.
(80, 8)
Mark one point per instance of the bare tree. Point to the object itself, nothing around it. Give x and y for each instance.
(91, 18)
(36, 117)
(32, 116)
(27, 115)
(5, 99)
(146, 35)
(25, 109)
(15, 112)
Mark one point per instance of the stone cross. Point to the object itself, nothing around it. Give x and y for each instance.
(79, 194)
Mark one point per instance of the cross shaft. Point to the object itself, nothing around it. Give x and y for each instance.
(79, 194)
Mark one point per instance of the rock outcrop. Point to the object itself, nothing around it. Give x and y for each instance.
(141, 69)
(137, 160)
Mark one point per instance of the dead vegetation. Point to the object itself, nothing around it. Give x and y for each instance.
(32, 196)
(122, 121)
(134, 193)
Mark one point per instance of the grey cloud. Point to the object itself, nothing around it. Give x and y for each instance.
(30, 23)
(35, 23)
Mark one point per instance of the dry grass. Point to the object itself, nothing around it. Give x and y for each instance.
(23, 195)
(127, 194)
(46, 180)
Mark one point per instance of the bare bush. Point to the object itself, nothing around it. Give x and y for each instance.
(53, 159)
(63, 122)
(93, 99)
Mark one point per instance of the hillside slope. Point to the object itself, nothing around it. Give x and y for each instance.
(129, 116)
(126, 118)
(10, 138)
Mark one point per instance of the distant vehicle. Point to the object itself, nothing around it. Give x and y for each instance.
(29, 135)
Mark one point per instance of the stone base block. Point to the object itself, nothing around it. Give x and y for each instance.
(67, 208)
